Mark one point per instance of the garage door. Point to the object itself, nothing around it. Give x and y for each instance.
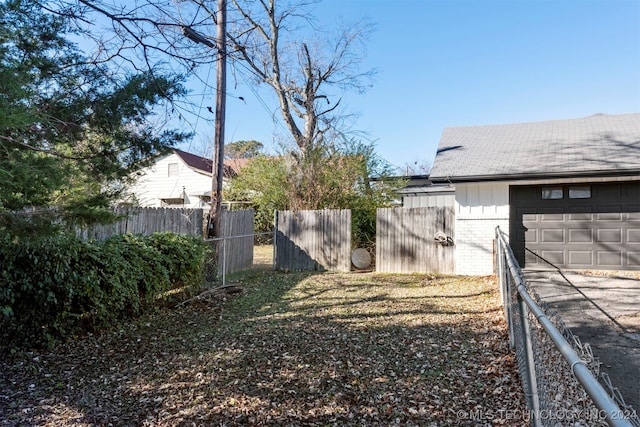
(582, 226)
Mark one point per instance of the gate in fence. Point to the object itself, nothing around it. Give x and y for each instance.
(415, 240)
(237, 244)
(559, 373)
(233, 251)
(313, 240)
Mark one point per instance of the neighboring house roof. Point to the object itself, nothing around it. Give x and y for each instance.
(201, 164)
(421, 184)
(234, 166)
(598, 145)
(431, 189)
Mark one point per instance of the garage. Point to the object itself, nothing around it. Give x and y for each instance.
(576, 226)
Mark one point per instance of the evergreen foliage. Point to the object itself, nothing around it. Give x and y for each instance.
(71, 131)
(58, 286)
(243, 149)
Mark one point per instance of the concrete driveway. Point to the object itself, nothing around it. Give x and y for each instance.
(604, 311)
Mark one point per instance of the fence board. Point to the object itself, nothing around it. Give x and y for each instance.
(405, 240)
(313, 240)
(237, 244)
(147, 221)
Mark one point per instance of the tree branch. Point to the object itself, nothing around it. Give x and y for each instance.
(42, 150)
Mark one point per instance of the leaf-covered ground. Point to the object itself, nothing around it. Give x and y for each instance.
(292, 349)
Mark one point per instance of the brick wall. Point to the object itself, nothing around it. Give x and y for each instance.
(474, 244)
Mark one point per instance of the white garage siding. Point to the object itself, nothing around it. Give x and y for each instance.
(480, 207)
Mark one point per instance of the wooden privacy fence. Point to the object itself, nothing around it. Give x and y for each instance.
(147, 221)
(313, 240)
(406, 240)
(235, 247)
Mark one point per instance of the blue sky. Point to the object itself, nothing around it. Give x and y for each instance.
(455, 63)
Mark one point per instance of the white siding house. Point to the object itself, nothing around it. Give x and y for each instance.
(420, 192)
(172, 182)
(179, 180)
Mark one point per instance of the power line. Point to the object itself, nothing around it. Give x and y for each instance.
(195, 126)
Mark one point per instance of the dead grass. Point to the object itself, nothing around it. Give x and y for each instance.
(295, 349)
(263, 256)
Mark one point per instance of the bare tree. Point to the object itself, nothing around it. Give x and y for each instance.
(417, 167)
(300, 69)
(279, 45)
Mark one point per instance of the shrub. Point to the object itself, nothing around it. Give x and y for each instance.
(41, 281)
(59, 286)
(183, 256)
(133, 273)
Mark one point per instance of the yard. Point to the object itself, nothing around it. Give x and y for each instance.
(291, 349)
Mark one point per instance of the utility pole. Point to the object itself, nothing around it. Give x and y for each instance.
(217, 168)
(221, 102)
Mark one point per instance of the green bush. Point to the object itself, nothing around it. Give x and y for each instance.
(135, 272)
(183, 256)
(41, 279)
(59, 286)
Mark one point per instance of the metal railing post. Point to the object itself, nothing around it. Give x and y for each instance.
(532, 393)
(509, 291)
(275, 238)
(505, 288)
(501, 276)
(224, 262)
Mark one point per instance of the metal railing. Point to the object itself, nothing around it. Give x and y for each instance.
(221, 259)
(559, 373)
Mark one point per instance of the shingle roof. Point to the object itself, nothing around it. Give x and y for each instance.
(594, 145)
(231, 166)
(195, 162)
(234, 166)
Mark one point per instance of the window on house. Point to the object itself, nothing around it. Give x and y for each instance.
(551, 193)
(173, 169)
(580, 192)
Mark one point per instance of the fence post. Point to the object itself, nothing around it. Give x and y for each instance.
(224, 261)
(275, 238)
(534, 399)
(501, 276)
(509, 292)
(505, 287)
